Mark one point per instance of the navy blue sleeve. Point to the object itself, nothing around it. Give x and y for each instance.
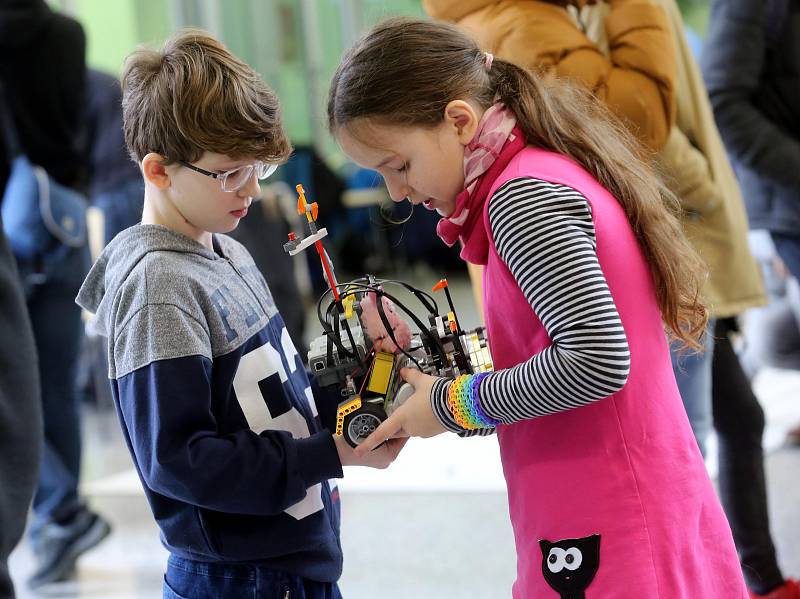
(183, 453)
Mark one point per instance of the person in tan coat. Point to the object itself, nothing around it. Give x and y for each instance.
(636, 78)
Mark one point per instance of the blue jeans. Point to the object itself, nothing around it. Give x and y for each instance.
(189, 579)
(693, 375)
(121, 207)
(50, 290)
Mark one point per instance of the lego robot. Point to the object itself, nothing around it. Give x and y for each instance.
(365, 342)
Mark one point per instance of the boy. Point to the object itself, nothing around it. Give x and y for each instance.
(212, 396)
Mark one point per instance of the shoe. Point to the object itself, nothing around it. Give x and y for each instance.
(58, 547)
(788, 590)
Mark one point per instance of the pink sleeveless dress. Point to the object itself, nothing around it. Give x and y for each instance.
(626, 467)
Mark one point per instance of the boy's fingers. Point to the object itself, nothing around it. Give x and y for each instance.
(386, 430)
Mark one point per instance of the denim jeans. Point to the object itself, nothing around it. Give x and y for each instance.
(50, 290)
(693, 375)
(189, 579)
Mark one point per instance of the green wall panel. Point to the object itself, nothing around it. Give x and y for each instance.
(268, 34)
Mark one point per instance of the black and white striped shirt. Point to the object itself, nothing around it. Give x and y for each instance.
(545, 235)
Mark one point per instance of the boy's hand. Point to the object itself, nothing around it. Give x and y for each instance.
(413, 419)
(380, 458)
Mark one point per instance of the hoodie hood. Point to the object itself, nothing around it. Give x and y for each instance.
(22, 21)
(117, 262)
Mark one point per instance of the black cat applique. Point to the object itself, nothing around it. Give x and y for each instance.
(570, 565)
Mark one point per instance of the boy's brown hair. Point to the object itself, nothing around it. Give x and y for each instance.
(194, 96)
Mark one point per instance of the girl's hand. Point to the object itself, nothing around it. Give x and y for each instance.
(413, 419)
(380, 458)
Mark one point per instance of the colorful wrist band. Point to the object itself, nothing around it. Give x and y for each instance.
(463, 400)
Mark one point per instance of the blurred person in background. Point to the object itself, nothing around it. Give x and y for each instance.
(751, 64)
(43, 70)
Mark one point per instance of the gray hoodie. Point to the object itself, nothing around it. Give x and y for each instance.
(215, 404)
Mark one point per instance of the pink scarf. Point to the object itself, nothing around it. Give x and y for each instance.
(497, 134)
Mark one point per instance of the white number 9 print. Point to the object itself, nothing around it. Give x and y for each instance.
(261, 384)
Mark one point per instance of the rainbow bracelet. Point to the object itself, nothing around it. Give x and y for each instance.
(463, 400)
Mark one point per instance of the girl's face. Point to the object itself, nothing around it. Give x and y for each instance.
(422, 164)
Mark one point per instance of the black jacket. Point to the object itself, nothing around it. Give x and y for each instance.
(753, 79)
(43, 69)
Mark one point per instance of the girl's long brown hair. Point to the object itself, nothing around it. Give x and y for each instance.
(405, 72)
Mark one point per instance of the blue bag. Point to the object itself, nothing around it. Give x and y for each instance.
(39, 214)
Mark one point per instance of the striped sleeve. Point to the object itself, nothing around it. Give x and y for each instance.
(545, 234)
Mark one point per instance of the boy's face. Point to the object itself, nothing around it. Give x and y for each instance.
(424, 165)
(200, 200)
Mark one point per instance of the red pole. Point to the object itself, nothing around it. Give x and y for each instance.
(324, 259)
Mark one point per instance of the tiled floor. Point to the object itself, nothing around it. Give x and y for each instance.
(434, 525)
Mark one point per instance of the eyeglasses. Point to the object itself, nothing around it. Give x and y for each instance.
(237, 178)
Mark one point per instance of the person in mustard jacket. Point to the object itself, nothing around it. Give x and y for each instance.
(636, 79)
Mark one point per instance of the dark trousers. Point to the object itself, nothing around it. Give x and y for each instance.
(50, 295)
(189, 579)
(739, 422)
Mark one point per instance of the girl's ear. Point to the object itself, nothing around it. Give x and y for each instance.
(464, 119)
(155, 171)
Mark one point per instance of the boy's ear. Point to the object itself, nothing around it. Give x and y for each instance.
(155, 171)
(462, 116)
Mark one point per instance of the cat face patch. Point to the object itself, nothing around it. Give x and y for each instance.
(569, 566)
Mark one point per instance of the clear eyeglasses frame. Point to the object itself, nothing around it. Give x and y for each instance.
(235, 179)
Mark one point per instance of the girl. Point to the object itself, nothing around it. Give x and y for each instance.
(584, 264)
